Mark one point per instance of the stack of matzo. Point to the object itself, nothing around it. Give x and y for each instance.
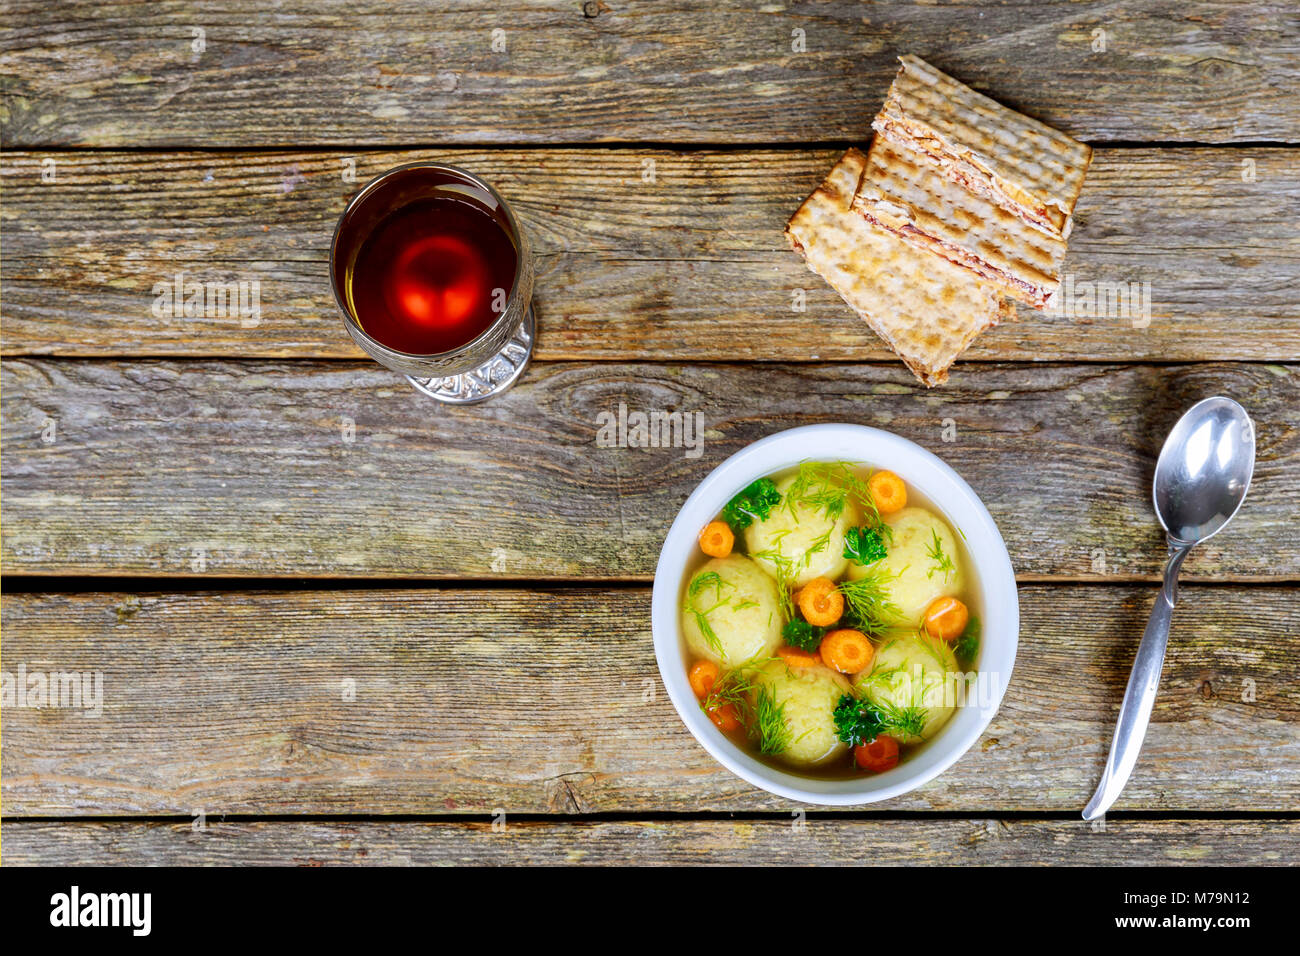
(959, 205)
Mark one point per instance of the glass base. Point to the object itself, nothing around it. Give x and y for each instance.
(491, 378)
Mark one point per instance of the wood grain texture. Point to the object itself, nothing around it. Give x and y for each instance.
(271, 451)
(820, 842)
(301, 469)
(692, 266)
(114, 74)
(468, 700)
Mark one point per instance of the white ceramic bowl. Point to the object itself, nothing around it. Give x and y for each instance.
(943, 487)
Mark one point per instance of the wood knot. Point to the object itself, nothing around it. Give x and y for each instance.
(1217, 71)
(593, 8)
(564, 794)
(127, 609)
(1207, 690)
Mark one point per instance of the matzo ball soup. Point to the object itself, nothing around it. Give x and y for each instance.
(828, 620)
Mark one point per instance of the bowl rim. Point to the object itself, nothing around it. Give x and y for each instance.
(939, 483)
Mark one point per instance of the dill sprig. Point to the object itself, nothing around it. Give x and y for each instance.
(940, 560)
(867, 502)
(702, 622)
(783, 567)
(881, 676)
(700, 583)
(817, 546)
(906, 721)
(821, 487)
(733, 687)
(828, 486)
(868, 608)
(936, 647)
(738, 687)
(709, 579)
(769, 726)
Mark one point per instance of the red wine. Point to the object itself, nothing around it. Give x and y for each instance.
(432, 275)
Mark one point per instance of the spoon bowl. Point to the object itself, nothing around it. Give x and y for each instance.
(1204, 470)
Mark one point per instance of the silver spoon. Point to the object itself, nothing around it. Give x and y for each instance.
(1201, 480)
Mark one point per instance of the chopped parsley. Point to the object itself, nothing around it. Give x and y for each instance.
(857, 722)
(862, 721)
(754, 503)
(968, 645)
(799, 633)
(864, 545)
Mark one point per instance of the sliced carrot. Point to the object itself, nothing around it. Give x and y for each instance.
(878, 756)
(798, 657)
(716, 540)
(887, 491)
(702, 676)
(946, 618)
(822, 605)
(847, 651)
(724, 718)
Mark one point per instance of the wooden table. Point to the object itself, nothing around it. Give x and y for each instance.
(339, 623)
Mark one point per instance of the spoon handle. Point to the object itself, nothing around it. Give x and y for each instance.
(1140, 694)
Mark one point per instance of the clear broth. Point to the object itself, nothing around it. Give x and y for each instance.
(845, 769)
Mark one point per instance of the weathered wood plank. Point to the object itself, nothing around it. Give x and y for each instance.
(292, 469)
(692, 266)
(469, 700)
(111, 74)
(818, 842)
